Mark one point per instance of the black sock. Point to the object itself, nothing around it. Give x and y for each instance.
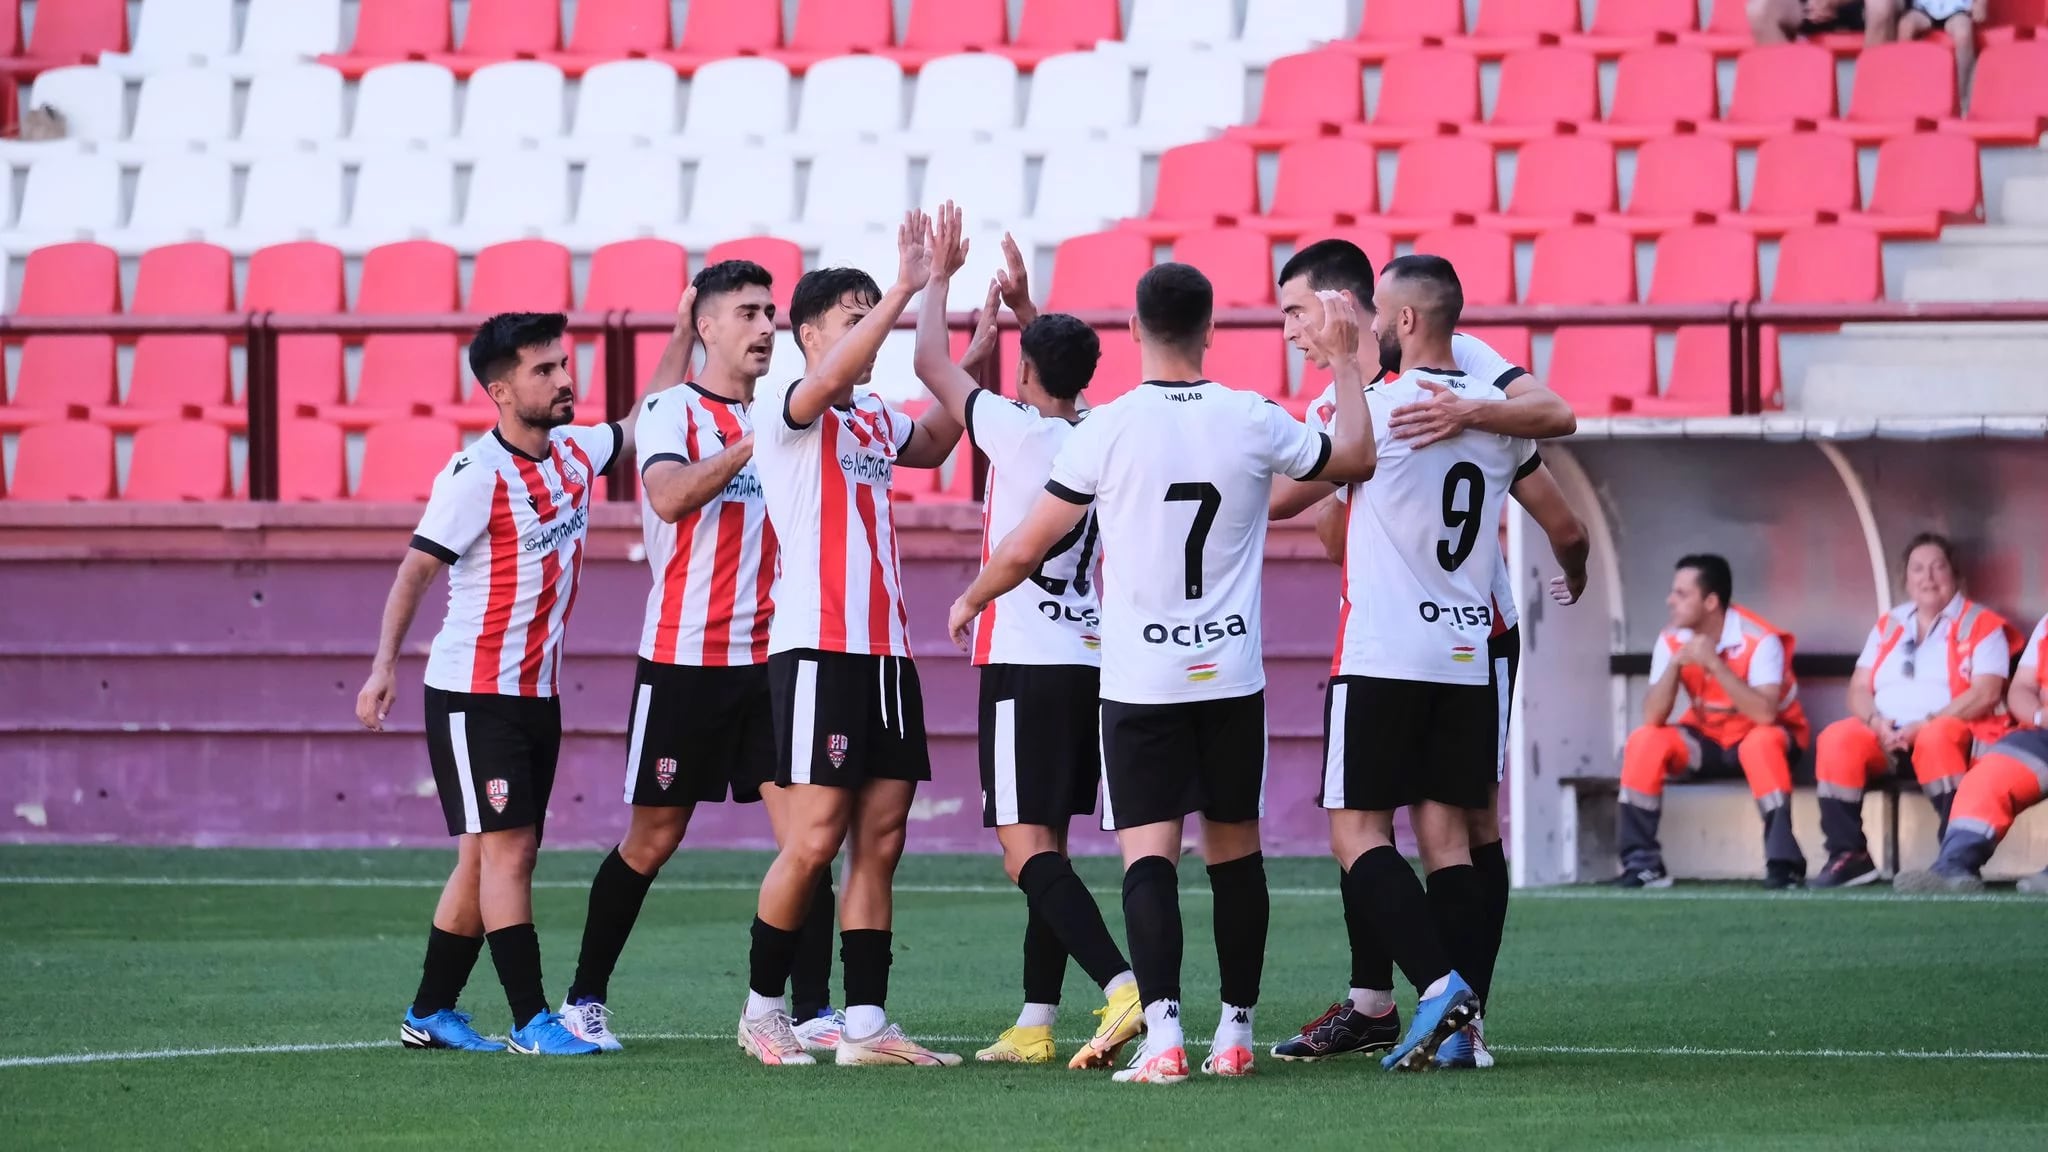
(810, 974)
(1058, 897)
(1045, 961)
(1457, 903)
(1152, 921)
(1243, 910)
(615, 898)
(449, 960)
(1393, 900)
(515, 951)
(1492, 862)
(864, 965)
(1371, 967)
(768, 959)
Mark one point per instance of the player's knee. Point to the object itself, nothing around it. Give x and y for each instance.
(509, 853)
(1482, 826)
(810, 850)
(649, 843)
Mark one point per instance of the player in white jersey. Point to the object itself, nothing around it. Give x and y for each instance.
(1179, 471)
(1038, 648)
(849, 712)
(507, 517)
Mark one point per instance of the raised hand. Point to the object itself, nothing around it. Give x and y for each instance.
(984, 340)
(949, 246)
(914, 250)
(1013, 279)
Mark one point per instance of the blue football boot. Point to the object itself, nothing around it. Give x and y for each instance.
(1436, 1019)
(444, 1029)
(547, 1035)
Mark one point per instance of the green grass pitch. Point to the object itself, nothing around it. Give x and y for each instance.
(1710, 1017)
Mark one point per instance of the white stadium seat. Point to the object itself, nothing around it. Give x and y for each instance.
(972, 94)
(295, 106)
(741, 191)
(1076, 95)
(734, 101)
(986, 180)
(179, 109)
(623, 104)
(626, 195)
(1276, 28)
(873, 251)
(513, 104)
(855, 188)
(1083, 187)
(513, 196)
(91, 101)
(175, 34)
(1167, 27)
(1189, 95)
(399, 196)
(848, 97)
(283, 31)
(398, 103)
(289, 196)
(895, 377)
(177, 198)
(68, 196)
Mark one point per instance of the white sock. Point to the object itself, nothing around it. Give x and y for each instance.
(1037, 1015)
(1162, 1026)
(759, 1006)
(1234, 1028)
(1372, 1001)
(1122, 979)
(864, 1020)
(1437, 987)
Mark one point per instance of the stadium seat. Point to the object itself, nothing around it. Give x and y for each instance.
(1312, 94)
(177, 197)
(1099, 270)
(507, 30)
(92, 101)
(736, 100)
(1727, 32)
(625, 194)
(174, 34)
(310, 461)
(1543, 92)
(1924, 181)
(69, 461)
(945, 27)
(509, 105)
(178, 460)
(67, 196)
(1597, 370)
(1707, 265)
(303, 278)
(59, 377)
(282, 32)
(1559, 181)
(1800, 180)
(1054, 27)
(288, 197)
(1083, 187)
(1485, 261)
(986, 179)
(783, 260)
(403, 374)
(851, 97)
(1211, 184)
(2016, 20)
(1159, 28)
(1189, 95)
(513, 195)
(400, 105)
(622, 104)
(968, 95)
(402, 457)
(1507, 26)
(1074, 96)
(1276, 28)
(388, 31)
(1900, 87)
(1424, 92)
(1779, 88)
(1680, 181)
(399, 195)
(292, 107)
(179, 109)
(1829, 265)
(722, 29)
(1239, 264)
(77, 31)
(742, 192)
(854, 189)
(825, 29)
(1438, 182)
(519, 276)
(2008, 101)
(180, 377)
(1659, 91)
(1321, 183)
(1630, 25)
(648, 275)
(611, 29)
(1389, 28)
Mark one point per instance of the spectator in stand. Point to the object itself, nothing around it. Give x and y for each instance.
(1782, 21)
(1960, 19)
(1929, 690)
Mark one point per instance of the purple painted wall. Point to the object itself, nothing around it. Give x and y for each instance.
(209, 700)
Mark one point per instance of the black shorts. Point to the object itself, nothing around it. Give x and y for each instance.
(694, 733)
(1504, 655)
(493, 757)
(1163, 761)
(1041, 748)
(1388, 744)
(843, 719)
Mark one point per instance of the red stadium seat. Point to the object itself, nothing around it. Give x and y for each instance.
(10, 32)
(75, 31)
(1779, 88)
(1900, 88)
(783, 259)
(1923, 183)
(1311, 94)
(1629, 25)
(507, 30)
(402, 457)
(519, 276)
(179, 377)
(72, 460)
(1098, 270)
(1424, 92)
(1598, 370)
(1506, 26)
(1377, 245)
(70, 279)
(1680, 181)
(178, 460)
(1050, 27)
(1659, 91)
(393, 30)
(1213, 183)
(1391, 27)
(404, 375)
(609, 29)
(1727, 31)
(2008, 100)
(1441, 181)
(1583, 265)
(1485, 261)
(306, 278)
(61, 377)
(827, 28)
(1709, 265)
(649, 275)
(716, 29)
(2015, 20)
(1800, 180)
(1543, 91)
(943, 27)
(311, 464)
(1321, 183)
(1240, 265)
(1829, 265)
(1559, 181)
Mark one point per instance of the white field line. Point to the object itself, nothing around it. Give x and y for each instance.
(1686, 1051)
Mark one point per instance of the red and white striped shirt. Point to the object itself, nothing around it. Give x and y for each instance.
(839, 588)
(714, 567)
(511, 527)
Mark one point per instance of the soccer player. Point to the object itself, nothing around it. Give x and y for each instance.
(1179, 471)
(507, 518)
(849, 713)
(700, 724)
(1038, 648)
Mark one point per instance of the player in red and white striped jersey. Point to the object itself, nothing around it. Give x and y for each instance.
(507, 517)
(1038, 650)
(849, 714)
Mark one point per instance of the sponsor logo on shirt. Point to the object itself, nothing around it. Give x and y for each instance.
(552, 538)
(1199, 635)
(1200, 672)
(1183, 397)
(743, 486)
(1056, 612)
(1457, 615)
(867, 469)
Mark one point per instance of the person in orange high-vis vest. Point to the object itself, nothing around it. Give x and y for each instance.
(1929, 689)
(2007, 780)
(1736, 670)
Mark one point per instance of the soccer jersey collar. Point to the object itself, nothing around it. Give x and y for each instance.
(508, 446)
(1178, 383)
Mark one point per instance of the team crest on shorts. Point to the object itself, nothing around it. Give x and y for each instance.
(664, 772)
(499, 793)
(835, 749)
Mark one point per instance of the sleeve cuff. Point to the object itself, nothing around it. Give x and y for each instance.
(787, 420)
(437, 551)
(661, 458)
(1509, 377)
(1322, 458)
(1068, 494)
(618, 442)
(1530, 465)
(973, 398)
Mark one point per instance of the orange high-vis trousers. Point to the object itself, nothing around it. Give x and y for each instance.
(1848, 755)
(1653, 755)
(2006, 781)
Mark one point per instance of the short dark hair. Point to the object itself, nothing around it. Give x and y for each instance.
(729, 276)
(1713, 573)
(494, 350)
(1064, 351)
(1441, 298)
(818, 290)
(1175, 304)
(1333, 266)
(1948, 548)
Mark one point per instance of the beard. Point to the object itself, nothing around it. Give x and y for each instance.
(1390, 354)
(548, 416)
